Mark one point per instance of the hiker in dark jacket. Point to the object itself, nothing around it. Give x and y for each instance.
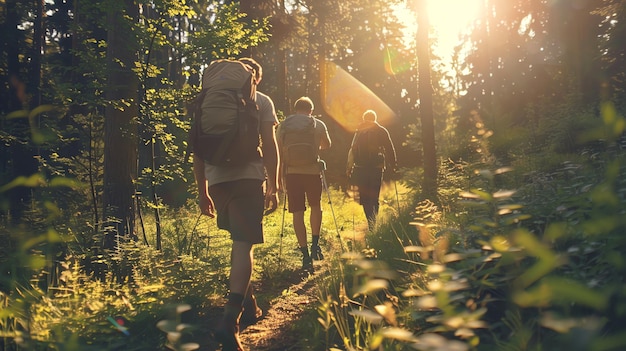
(300, 137)
(239, 198)
(371, 153)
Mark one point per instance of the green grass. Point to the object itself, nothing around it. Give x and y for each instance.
(75, 311)
(480, 268)
(485, 271)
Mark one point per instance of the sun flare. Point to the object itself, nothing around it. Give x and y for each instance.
(345, 98)
(449, 18)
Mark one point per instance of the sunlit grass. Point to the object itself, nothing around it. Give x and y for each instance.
(483, 266)
(191, 269)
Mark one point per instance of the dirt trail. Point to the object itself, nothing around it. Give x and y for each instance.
(274, 332)
(292, 298)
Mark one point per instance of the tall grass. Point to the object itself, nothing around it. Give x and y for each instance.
(516, 260)
(138, 298)
(522, 258)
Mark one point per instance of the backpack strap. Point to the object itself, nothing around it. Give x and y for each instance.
(193, 112)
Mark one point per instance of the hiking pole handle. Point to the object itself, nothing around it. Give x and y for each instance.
(322, 164)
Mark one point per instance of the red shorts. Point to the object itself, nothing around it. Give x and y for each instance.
(301, 185)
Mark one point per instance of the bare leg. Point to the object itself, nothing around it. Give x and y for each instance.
(316, 220)
(299, 227)
(242, 259)
(316, 226)
(227, 332)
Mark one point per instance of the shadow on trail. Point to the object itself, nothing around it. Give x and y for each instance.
(283, 303)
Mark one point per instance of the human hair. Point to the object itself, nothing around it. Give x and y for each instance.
(370, 115)
(304, 104)
(258, 70)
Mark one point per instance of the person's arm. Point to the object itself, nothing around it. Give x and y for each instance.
(325, 142)
(204, 200)
(390, 151)
(270, 161)
(281, 170)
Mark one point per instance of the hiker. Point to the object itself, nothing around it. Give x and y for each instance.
(371, 152)
(237, 195)
(300, 137)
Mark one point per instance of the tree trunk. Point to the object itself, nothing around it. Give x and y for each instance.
(20, 161)
(245, 6)
(38, 49)
(282, 101)
(120, 135)
(429, 185)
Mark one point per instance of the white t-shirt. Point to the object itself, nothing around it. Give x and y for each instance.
(253, 169)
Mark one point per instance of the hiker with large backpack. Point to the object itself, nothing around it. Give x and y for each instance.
(235, 180)
(371, 153)
(300, 137)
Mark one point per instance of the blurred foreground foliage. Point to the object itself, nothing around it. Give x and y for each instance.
(508, 258)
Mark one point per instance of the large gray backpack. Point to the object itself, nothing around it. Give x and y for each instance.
(298, 144)
(225, 116)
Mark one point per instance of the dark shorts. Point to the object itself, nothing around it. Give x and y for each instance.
(369, 181)
(301, 185)
(239, 205)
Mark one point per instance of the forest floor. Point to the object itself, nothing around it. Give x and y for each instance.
(283, 303)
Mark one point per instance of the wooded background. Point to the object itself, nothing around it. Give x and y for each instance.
(93, 94)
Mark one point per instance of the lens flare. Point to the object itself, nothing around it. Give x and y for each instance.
(394, 62)
(345, 98)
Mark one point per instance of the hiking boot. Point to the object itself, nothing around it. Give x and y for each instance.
(316, 253)
(307, 263)
(251, 311)
(227, 333)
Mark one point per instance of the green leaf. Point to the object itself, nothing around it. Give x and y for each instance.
(40, 109)
(18, 114)
(398, 334)
(555, 231)
(556, 290)
(371, 286)
(64, 181)
(601, 225)
(36, 262)
(167, 326)
(367, 315)
(482, 194)
(31, 181)
(564, 324)
(547, 259)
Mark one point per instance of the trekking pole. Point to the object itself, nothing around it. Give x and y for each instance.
(282, 230)
(191, 236)
(208, 237)
(353, 229)
(395, 185)
(325, 185)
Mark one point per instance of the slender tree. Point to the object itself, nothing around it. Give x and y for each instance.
(578, 27)
(429, 186)
(120, 155)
